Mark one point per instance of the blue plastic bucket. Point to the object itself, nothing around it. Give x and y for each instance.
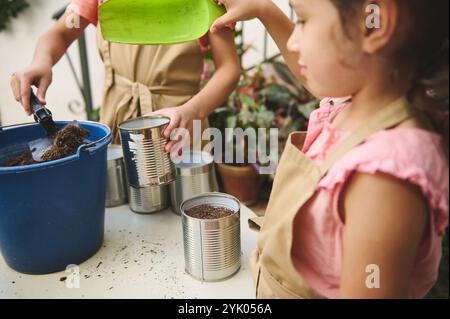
(52, 214)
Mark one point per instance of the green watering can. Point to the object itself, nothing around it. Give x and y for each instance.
(157, 21)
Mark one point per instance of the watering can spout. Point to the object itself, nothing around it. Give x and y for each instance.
(157, 21)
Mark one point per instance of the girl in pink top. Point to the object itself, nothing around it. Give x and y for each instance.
(373, 228)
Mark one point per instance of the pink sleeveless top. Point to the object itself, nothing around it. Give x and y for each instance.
(410, 154)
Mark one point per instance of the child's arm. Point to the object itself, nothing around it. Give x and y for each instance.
(50, 48)
(385, 222)
(275, 21)
(217, 90)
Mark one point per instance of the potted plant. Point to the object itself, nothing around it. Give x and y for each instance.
(289, 100)
(267, 97)
(244, 110)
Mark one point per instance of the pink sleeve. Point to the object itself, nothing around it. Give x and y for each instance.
(88, 9)
(400, 154)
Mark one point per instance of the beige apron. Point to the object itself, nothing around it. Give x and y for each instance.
(142, 79)
(295, 183)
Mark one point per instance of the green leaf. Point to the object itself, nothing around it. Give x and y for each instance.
(231, 121)
(246, 118)
(308, 108)
(278, 94)
(221, 109)
(286, 75)
(246, 100)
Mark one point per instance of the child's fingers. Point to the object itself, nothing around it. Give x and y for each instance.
(169, 146)
(25, 94)
(174, 123)
(227, 19)
(15, 86)
(175, 148)
(42, 90)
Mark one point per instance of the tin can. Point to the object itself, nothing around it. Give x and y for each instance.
(116, 181)
(212, 247)
(148, 200)
(146, 162)
(195, 176)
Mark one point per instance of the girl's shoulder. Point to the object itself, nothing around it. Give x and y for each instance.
(409, 154)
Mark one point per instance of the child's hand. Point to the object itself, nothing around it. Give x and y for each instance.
(38, 74)
(239, 10)
(180, 117)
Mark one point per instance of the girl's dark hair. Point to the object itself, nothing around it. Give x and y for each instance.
(427, 44)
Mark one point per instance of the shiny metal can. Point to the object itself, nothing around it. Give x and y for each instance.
(116, 181)
(212, 247)
(150, 199)
(146, 162)
(195, 176)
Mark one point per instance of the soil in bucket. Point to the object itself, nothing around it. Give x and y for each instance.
(66, 143)
(209, 212)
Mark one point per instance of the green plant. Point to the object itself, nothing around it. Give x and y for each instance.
(290, 101)
(262, 101)
(245, 109)
(10, 9)
(95, 115)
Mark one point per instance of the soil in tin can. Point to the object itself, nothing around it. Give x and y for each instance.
(209, 212)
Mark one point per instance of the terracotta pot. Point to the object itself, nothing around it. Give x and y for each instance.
(242, 182)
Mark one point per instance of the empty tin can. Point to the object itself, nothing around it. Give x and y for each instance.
(150, 199)
(195, 176)
(146, 162)
(116, 181)
(212, 247)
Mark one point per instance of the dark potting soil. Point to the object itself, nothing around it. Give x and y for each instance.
(66, 143)
(209, 212)
(26, 158)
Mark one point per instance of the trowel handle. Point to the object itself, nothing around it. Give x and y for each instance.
(40, 112)
(42, 115)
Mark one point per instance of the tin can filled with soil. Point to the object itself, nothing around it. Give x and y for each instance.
(212, 237)
(146, 162)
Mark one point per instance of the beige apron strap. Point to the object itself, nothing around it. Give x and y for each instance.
(105, 48)
(393, 114)
(144, 94)
(255, 223)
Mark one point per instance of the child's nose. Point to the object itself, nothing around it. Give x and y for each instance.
(293, 43)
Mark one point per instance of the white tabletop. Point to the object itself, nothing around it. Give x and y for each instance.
(142, 257)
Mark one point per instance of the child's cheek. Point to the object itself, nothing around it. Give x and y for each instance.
(317, 57)
(325, 74)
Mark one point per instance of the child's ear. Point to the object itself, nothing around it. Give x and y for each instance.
(379, 25)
